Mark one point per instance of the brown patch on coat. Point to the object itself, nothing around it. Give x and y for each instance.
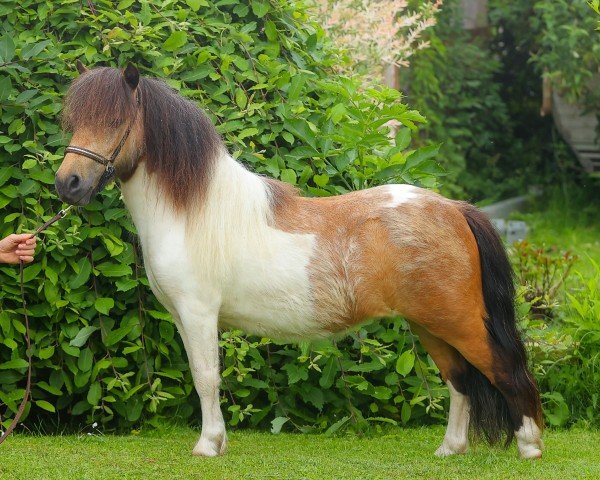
(418, 259)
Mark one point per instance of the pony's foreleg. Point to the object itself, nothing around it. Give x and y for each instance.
(450, 364)
(198, 328)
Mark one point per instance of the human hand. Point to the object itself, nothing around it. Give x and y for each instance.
(17, 247)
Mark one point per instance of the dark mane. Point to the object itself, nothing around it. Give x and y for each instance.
(181, 143)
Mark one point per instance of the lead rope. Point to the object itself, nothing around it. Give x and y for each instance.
(21, 409)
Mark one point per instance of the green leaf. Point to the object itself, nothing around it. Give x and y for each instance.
(301, 129)
(295, 373)
(405, 412)
(277, 423)
(49, 388)
(134, 409)
(103, 305)
(288, 175)
(7, 48)
(175, 41)
(109, 269)
(337, 112)
(117, 335)
(382, 393)
(337, 425)
(321, 180)
(80, 407)
(82, 336)
(403, 138)
(85, 269)
(420, 155)
(196, 4)
(167, 332)
(316, 397)
(85, 360)
(270, 31)
(247, 132)
(29, 163)
(134, 348)
(46, 353)
(43, 404)
(240, 98)
(260, 9)
(329, 372)
(94, 393)
(34, 49)
(296, 87)
(16, 364)
(405, 362)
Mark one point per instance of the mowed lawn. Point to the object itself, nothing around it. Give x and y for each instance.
(396, 454)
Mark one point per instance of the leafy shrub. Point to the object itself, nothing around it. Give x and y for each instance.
(103, 348)
(568, 51)
(542, 272)
(567, 356)
(376, 375)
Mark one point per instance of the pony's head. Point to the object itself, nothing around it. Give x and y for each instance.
(102, 108)
(120, 118)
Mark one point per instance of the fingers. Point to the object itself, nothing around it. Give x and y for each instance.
(26, 248)
(20, 237)
(26, 258)
(29, 243)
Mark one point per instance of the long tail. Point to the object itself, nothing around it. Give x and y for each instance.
(497, 411)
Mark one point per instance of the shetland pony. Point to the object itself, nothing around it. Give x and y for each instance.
(226, 248)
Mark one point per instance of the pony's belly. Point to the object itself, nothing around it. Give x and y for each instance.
(271, 293)
(278, 305)
(277, 324)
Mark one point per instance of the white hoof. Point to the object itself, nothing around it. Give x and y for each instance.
(529, 439)
(530, 452)
(451, 448)
(211, 445)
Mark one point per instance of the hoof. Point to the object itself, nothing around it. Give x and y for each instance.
(446, 450)
(530, 453)
(529, 440)
(211, 445)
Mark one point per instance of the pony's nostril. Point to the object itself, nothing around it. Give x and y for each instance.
(74, 182)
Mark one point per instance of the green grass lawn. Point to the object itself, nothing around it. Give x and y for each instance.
(398, 453)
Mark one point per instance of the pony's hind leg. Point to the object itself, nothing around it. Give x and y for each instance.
(502, 395)
(452, 366)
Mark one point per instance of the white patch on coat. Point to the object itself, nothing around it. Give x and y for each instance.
(227, 250)
(400, 194)
(456, 439)
(529, 439)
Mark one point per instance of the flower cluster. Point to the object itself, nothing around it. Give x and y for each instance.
(378, 32)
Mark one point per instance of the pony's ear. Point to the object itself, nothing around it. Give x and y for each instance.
(81, 68)
(132, 75)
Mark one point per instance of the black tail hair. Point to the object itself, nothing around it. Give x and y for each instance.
(497, 411)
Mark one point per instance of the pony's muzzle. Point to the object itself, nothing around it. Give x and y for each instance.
(73, 189)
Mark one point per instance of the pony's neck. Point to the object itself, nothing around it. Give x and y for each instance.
(232, 218)
(236, 203)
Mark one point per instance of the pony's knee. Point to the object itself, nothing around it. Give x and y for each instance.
(208, 383)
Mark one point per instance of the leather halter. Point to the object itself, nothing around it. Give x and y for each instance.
(101, 159)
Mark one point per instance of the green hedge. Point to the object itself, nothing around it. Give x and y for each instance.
(103, 348)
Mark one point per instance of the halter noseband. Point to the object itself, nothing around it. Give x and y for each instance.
(101, 159)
